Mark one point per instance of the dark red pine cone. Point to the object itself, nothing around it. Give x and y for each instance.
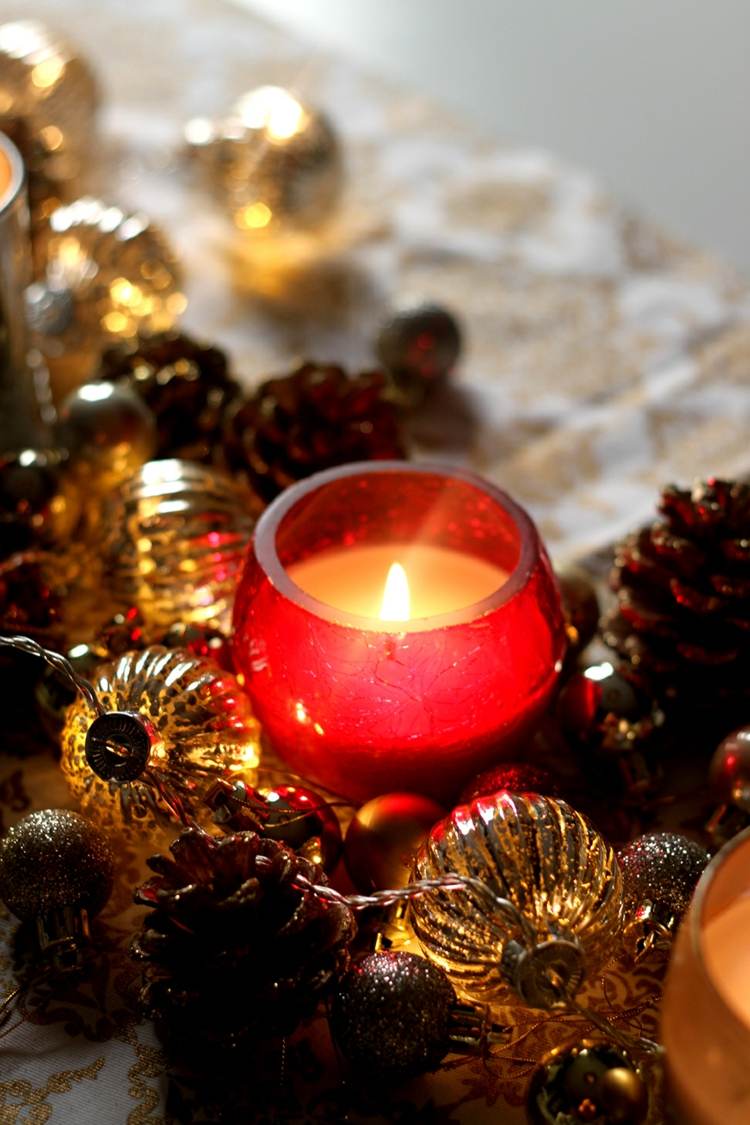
(185, 384)
(31, 598)
(313, 419)
(683, 597)
(232, 948)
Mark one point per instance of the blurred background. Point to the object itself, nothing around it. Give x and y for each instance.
(651, 96)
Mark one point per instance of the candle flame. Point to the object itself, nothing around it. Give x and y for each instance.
(396, 604)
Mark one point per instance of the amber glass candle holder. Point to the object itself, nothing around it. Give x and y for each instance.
(705, 1018)
(367, 700)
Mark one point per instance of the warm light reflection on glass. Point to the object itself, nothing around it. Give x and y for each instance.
(254, 216)
(396, 604)
(273, 109)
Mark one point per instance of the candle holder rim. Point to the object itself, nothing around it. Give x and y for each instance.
(694, 920)
(267, 526)
(17, 174)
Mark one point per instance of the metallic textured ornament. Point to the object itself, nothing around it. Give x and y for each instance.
(273, 162)
(512, 777)
(419, 345)
(660, 871)
(593, 1082)
(39, 502)
(108, 433)
(174, 543)
(391, 1016)
(48, 101)
(102, 276)
(580, 605)
(551, 909)
(291, 814)
(172, 723)
(383, 838)
(56, 868)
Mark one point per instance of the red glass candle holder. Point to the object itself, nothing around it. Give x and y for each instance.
(365, 706)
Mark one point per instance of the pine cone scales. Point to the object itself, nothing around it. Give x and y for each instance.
(231, 946)
(683, 595)
(313, 419)
(185, 384)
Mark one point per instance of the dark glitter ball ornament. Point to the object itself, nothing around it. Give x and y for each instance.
(591, 1083)
(512, 777)
(730, 770)
(52, 859)
(185, 384)
(313, 419)
(419, 345)
(390, 1016)
(660, 871)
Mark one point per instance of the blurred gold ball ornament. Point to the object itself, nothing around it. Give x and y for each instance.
(174, 543)
(547, 909)
(108, 432)
(39, 501)
(383, 837)
(273, 162)
(48, 102)
(102, 276)
(167, 723)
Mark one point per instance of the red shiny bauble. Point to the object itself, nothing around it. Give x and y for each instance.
(513, 777)
(730, 770)
(383, 837)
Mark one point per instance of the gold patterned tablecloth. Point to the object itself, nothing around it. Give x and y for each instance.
(602, 359)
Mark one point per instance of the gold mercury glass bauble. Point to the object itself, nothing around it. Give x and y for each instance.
(108, 433)
(173, 723)
(102, 276)
(175, 536)
(47, 87)
(561, 878)
(273, 162)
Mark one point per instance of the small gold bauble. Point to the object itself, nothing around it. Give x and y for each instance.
(109, 432)
(47, 87)
(175, 536)
(102, 276)
(181, 722)
(274, 163)
(383, 837)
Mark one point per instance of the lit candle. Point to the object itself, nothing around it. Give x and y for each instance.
(706, 1006)
(398, 583)
(397, 626)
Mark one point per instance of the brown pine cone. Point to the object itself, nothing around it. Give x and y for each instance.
(185, 384)
(683, 598)
(231, 947)
(312, 419)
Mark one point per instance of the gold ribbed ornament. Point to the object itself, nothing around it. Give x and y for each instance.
(102, 276)
(273, 162)
(175, 536)
(48, 101)
(173, 722)
(552, 907)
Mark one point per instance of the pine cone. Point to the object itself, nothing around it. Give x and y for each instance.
(232, 948)
(185, 384)
(312, 419)
(683, 598)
